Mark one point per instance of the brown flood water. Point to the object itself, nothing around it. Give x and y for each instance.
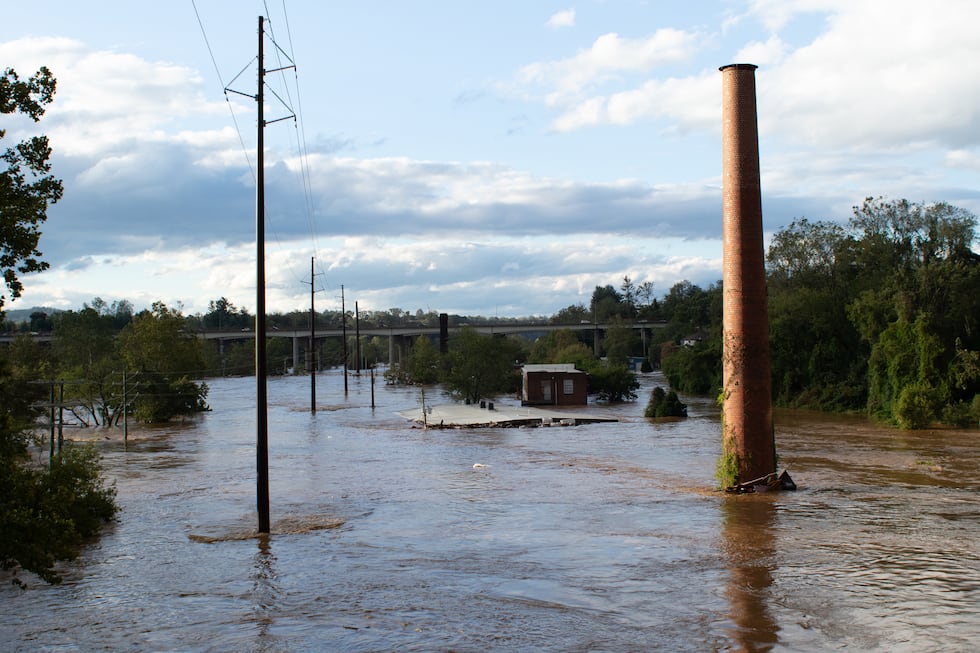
(602, 537)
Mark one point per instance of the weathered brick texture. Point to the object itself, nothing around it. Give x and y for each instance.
(748, 388)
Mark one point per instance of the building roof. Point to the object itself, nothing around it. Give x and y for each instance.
(553, 367)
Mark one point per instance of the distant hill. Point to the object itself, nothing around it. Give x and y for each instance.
(24, 314)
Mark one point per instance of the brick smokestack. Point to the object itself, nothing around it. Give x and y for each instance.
(748, 427)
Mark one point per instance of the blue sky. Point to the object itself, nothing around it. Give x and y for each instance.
(495, 158)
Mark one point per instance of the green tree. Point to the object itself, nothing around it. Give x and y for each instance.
(26, 186)
(424, 364)
(630, 297)
(620, 343)
(561, 346)
(165, 358)
(223, 314)
(46, 513)
(695, 369)
(480, 366)
(574, 314)
(607, 303)
(881, 314)
(664, 404)
(84, 346)
(613, 383)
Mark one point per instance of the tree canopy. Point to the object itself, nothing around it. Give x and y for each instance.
(26, 186)
(880, 314)
(45, 512)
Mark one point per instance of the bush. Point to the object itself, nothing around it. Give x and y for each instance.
(665, 404)
(46, 513)
(914, 408)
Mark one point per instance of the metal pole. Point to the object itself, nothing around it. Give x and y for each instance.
(312, 355)
(261, 396)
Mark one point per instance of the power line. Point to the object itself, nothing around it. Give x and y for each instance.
(231, 109)
(302, 150)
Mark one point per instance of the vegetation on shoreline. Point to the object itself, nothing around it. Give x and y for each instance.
(880, 316)
(45, 511)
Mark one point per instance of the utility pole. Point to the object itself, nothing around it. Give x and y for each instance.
(357, 339)
(311, 350)
(261, 393)
(343, 322)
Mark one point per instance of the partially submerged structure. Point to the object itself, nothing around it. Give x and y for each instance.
(556, 384)
(748, 440)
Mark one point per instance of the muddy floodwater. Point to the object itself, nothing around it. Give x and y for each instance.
(601, 537)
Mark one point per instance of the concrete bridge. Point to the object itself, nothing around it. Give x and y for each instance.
(399, 337)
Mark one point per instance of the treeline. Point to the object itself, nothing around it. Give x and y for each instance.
(107, 362)
(880, 315)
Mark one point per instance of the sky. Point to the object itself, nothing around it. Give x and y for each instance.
(486, 158)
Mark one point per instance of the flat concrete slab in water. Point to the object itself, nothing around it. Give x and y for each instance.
(461, 415)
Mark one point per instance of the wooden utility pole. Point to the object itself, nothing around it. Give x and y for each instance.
(357, 339)
(261, 393)
(311, 350)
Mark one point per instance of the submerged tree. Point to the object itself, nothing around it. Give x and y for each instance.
(164, 359)
(665, 404)
(479, 366)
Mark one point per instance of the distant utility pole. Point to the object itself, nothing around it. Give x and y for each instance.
(343, 322)
(357, 339)
(311, 350)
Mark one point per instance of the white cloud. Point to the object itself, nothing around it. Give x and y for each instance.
(610, 54)
(894, 76)
(565, 18)
(770, 52)
(544, 273)
(777, 14)
(689, 102)
(966, 159)
(106, 100)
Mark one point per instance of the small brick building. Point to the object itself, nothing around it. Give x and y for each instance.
(558, 384)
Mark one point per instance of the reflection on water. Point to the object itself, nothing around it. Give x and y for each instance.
(602, 537)
(749, 540)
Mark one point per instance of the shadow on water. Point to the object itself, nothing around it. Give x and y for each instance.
(749, 542)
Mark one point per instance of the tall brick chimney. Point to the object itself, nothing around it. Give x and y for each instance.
(748, 427)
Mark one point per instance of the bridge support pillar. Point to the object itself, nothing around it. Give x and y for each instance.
(296, 360)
